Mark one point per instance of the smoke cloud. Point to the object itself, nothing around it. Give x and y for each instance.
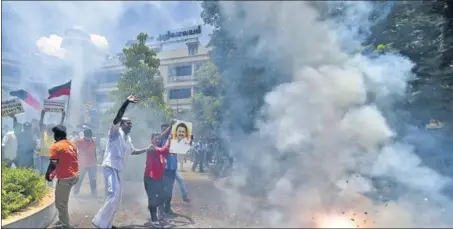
(345, 157)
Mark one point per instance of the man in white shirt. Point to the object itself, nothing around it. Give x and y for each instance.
(9, 146)
(119, 146)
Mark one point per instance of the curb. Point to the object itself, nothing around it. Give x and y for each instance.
(42, 217)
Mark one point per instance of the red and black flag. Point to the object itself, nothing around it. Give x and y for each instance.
(64, 89)
(27, 98)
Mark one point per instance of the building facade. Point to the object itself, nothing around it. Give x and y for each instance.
(177, 68)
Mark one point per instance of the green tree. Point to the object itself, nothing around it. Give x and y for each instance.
(422, 31)
(140, 78)
(206, 101)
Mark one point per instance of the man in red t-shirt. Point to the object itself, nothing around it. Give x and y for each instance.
(154, 171)
(86, 147)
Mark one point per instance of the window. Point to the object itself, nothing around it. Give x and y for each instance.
(193, 49)
(102, 97)
(182, 93)
(10, 71)
(183, 70)
(109, 77)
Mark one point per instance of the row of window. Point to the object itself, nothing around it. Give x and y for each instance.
(102, 97)
(180, 93)
(108, 77)
(175, 73)
(183, 70)
(173, 94)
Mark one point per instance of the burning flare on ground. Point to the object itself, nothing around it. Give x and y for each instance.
(344, 220)
(335, 221)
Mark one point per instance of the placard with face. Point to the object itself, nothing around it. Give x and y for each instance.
(181, 132)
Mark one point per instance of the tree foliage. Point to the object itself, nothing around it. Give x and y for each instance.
(421, 30)
(140, 78)
(206, 101)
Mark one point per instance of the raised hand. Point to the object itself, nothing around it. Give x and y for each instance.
(132, 99)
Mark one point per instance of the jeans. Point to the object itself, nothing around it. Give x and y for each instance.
(91, 175)
(180, 181)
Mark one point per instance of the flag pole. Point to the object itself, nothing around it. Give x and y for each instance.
(67, 111)
(69, 107)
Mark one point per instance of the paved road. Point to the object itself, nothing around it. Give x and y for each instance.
(207, 209)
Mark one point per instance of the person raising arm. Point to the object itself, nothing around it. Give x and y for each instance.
(119, 144)
(46, 141)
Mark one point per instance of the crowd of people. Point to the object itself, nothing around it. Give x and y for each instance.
(55, 153)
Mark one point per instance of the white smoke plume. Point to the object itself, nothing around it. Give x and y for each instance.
(325, 117)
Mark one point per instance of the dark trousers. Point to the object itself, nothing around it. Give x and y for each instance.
(169, 181)
(197, 162)
(154, 190)
(91, 175)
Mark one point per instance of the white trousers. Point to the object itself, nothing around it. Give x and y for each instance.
(104, 218)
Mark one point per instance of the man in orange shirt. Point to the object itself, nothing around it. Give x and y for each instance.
(64, 162)
(87, 160)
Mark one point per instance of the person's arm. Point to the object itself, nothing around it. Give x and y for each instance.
(63, 115)
(41, 121)
(168, 130)
(165, 150)
(14, 121)
(140, 151)
(54, 158)
(119, 115)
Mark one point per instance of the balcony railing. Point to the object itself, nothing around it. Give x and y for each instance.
(181, 78)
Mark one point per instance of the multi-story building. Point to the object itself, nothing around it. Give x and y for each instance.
(177, 68)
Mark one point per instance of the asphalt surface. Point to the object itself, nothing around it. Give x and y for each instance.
(207, 209)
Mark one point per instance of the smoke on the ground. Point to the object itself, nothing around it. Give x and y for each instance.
(344, 157)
